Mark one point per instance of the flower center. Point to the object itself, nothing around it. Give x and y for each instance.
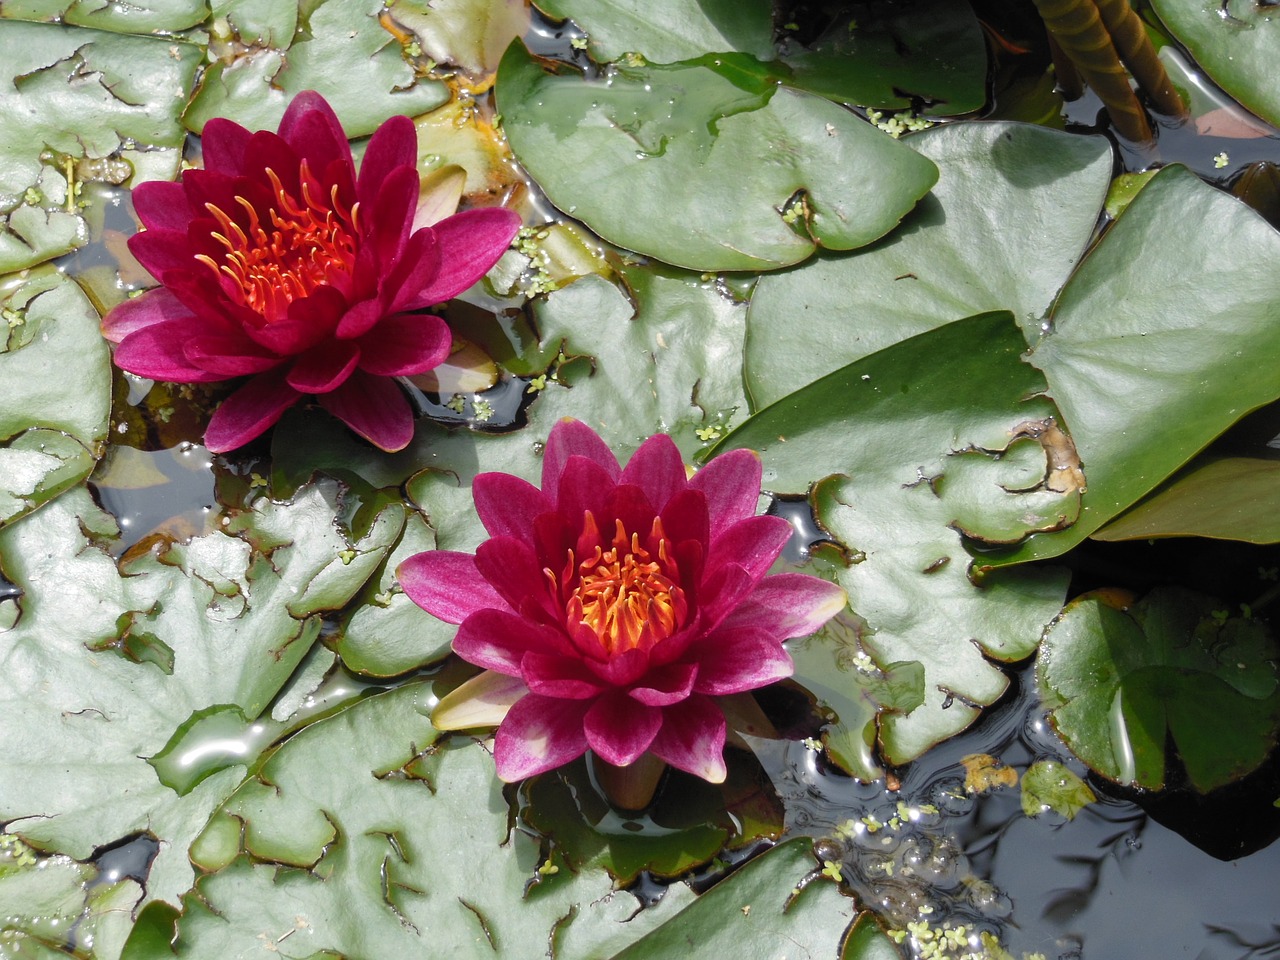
(304, 245)
(628, 594)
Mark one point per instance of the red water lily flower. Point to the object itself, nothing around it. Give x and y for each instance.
(277, 262)
(613, 607)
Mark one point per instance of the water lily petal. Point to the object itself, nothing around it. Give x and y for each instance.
(731, 483)
(439, 195)
(359, 319)
(311, 128)
(482, 701)
(559, 676)
(223, 143)
(392, 215)
(373, 407)
(447, 585)
(585, 486)
(789, 605)
(228, 356)
(732, 661)
(405, 344)
(156, 351)
(309, 321)
(666, 685)
(621, 670)
(394, 144)
(658, 469)
(324, 367)
(419, 262)
(249, 412)
(160, 251)
(752, 544)
(497, 639)
(508, 506)
(138, 313)
(539, 734)
(619, 729)
(685, 516)
(573, 438)
(511, 566)
(161, 205)
(692, 738)
(475, 240)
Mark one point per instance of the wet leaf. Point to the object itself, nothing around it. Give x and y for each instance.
(664, 31)
(1227, 498)
(72, 94)
(333, 41)
(900, 444)
(84, 710)
(745, 174)
(1050, 785)
(52, 429)
(836, 668)
(892, 57)
(1235, 42)
(471, 34)
(983, 772)
(146, 16)
(1002, 230)
(1163, 338)
(1121, 683)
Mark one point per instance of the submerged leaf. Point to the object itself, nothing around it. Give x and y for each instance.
(1050, 785)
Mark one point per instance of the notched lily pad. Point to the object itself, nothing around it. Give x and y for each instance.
(1120, 684)
(136, 16)
(739, 173)
(52, 428)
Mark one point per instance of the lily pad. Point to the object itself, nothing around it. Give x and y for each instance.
(1120, 684)
(74, 94)
(105, 667)
(1163, 338)
(1004, 227)
(1227, 498)
(471, 34)
(1235, 41)
(930, 52)
(138, 16)
(52, 429)
(741, 174)
(1050, 785)
(900, 445)
(386, 862)
(334, 40)
(664, 31)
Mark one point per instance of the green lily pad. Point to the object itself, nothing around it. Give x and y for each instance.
(1163, 338)
(365, 837)
(891, 57)
(106, 667)
(900, 445)
(1120, 684)
(836, 668)
(1050, 785)
(146, 16)
(741, 174)
(1227, 498)
(664, 31)
(76, 95)
(471, 34)
(1235, 41)
(334, 40)
(52, 429)
(1002, 230)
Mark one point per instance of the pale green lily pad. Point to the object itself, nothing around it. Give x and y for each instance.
(471, 34)
(884, 439)
(71, 94)
(836, 668)
(136, 16)
(1051, 785)
(1002, 230)
(1120, 684)
(722, 155)
(105, 668)
(335, 40)
(664, 31)
(1165, 336)
(1235, 41)
(891, 57)
(52, 429)
(1226, 498)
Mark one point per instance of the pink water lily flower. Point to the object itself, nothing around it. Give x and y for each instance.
(614, 607)
(278, 263)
